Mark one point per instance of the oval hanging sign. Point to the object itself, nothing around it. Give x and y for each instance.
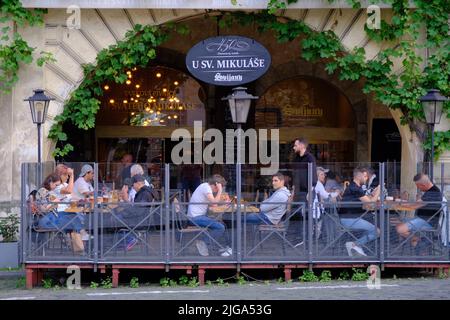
(228, 60)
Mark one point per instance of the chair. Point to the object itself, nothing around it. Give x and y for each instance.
(434, 236)
(181, 220)
(280, 228)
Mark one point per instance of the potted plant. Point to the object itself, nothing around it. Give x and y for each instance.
(9, 246)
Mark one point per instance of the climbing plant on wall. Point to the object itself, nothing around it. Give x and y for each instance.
(14, 50)
(136, 49)
(397, 91)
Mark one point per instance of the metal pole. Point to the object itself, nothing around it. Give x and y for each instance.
(310, 213)
(167, 209)
(382, 240)
(23, 216)
(238, 191)
(39, 142)
(96, 215)
(432, 152)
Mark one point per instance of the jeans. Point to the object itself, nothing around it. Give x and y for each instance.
(370, 231)
(418, 224)
(51, 221)
(215, 228)
(255, 218)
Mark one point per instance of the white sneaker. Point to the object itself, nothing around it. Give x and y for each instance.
(299, 244)
(227, 252)
(349, 246)
(202, 248)
(358, 250)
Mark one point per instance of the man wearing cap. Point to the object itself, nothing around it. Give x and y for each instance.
(143, 191)
(132, 215)
(82, 188)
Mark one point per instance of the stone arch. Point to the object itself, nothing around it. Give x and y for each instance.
(102, 28)
(351, 90)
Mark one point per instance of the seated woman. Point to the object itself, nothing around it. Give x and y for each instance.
(49, 217)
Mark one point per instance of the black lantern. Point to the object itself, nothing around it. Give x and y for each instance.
(433, 104)
(239, 102)
(39, 106)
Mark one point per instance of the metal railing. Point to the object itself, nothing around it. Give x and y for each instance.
(162, 232)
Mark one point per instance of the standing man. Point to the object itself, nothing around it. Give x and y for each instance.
(127, 161)
(300, 169)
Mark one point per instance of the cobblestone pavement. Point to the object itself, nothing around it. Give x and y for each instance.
(409, 289)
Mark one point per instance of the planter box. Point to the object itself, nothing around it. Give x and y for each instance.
(9, 254)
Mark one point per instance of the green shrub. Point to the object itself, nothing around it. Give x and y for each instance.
(93, 285)
(325, 276)
(220, 282)
(20, 283)
(193, 282)
(106, 283)
(308, 276)
(47, 283)
(134, 282)
(359, 275)
(173, 283)
(9, 227)
(344, 275)
(183, 281)
(164, 282)
(241, 280)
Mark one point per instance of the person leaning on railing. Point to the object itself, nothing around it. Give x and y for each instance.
(355, 193)
(421, 222)
(50, 216)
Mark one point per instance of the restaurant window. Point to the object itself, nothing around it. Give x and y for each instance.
(153, 97)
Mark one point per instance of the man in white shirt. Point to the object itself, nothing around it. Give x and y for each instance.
(198, 209)
(82, 188)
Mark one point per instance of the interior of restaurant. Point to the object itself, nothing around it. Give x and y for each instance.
(138, 117)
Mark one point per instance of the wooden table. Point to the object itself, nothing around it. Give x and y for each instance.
(232, 209)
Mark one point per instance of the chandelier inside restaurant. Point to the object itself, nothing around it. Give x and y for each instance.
(150, 97)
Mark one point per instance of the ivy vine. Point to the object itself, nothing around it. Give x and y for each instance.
(135, 50)
(395, 91)
(14, 50)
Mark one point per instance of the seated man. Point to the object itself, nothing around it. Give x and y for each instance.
(425, 213)
(273, 208)
(133, 215)
(198, 209)
(354, 193)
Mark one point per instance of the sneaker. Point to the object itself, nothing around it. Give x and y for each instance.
(131, 242)
(202, 248)
(299, 244)
(349, 246)
(358, 250)
(226, 252)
